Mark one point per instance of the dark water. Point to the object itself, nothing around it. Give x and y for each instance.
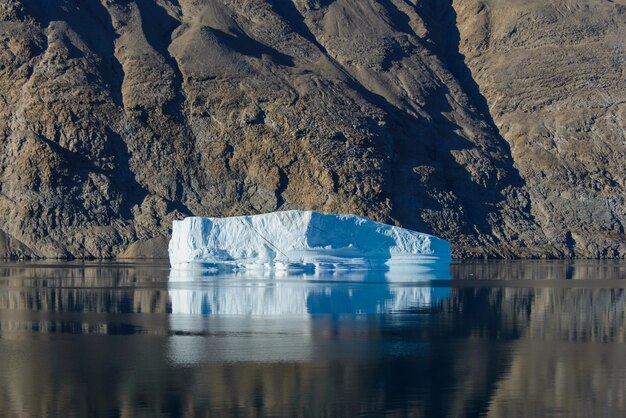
(499, 339)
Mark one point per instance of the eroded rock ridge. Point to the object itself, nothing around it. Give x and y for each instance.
(498, 125)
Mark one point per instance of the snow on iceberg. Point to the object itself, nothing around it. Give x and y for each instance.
(302, 240)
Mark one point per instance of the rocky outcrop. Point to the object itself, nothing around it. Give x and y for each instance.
(553, 76)
(118, 117)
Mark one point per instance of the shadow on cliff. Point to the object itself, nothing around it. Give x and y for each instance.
(440, 19)
(92, 23)
(157, 26)
(433, 141)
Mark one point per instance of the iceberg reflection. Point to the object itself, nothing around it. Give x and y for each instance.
(259, 304)
(250, 293)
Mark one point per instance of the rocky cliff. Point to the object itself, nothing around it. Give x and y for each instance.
(497, 124)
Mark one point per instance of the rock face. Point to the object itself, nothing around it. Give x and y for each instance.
(554, 77)
(493, 124)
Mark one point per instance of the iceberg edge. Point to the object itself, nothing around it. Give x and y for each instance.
(302, 240)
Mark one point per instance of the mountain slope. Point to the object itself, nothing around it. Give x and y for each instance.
(554, 75)
(120, 116)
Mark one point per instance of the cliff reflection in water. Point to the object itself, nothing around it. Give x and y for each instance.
(500, 339)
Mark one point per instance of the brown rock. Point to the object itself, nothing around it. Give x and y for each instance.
(119, 116)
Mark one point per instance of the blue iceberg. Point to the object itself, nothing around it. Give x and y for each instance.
(307, 240)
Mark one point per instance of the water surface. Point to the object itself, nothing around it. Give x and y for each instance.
(500, 339)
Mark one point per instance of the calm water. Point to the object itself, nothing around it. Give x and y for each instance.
(500, 339)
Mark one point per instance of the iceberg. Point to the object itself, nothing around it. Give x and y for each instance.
(306, 240)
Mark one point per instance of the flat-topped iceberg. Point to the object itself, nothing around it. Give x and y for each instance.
(302, 240)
